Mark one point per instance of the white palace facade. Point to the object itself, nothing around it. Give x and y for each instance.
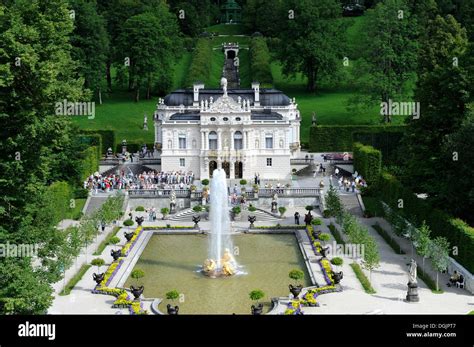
(243, 131)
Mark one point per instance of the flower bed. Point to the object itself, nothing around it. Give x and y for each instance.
(129, 245)
(315, 244)
(326, 269)
(136, 308)
(294, 308)
(309, 299)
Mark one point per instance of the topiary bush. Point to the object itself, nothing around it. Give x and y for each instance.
(128, 222)
(337, 261)
(316, 221)
(324, 237)
(140, 209)
(205, 182)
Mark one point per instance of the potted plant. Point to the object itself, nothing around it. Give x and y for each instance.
(243, 183)
(236, 212)
(172, 295)
(296, 275)
(197, 208)
(98, 277)
(256, 295)
(324, 237)
(165, 211)
(128, 222)
(282, 211)
(136, 275)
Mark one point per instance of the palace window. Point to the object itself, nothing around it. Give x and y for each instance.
(213, 140)
(269, 141)
(238, 140)
(182, 141)
(226, 119)
(238, 119)
(269, 161)
(182, 162)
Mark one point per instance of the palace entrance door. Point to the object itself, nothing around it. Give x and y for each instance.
(212, 167)
(238, 169)
(226, 167)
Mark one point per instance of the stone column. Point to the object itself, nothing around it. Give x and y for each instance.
(203, 141)
(232, 167)
(232, 133)
(219, 140)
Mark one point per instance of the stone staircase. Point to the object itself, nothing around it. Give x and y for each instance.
(95, 203)
(351, 204)
(231, 73)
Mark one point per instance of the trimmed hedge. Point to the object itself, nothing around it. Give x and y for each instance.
(201, 64)
(368, 162)
(90, 162)
(362, 278)
(260, 61)
(457, 232)
(339, 138)
(107, 139)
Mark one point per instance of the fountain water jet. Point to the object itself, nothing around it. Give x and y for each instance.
(220, 261)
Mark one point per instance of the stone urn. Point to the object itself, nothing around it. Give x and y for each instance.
(98, 278)
(196, 220)
(337, 277)
(128, 236)
(172, 310)
(257, 310)
(116, 254)
(252, 220)
(139, 220)
(137, 292)
(295, 290)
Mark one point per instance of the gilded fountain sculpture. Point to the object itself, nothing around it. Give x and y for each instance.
(221, 261)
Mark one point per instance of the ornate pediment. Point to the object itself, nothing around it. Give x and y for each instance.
(225, 104)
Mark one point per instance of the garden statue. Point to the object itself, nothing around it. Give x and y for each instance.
(137, 292)
(139, 220)
(124, 146)
(110, 153)
(172, 310)
(128, 236)
(116, 254)
(412, 293)
(257, 310)
(313, 118)
(224, 86)
(252, 220)
(145, 122)
(98, 278)
(275, 203)
(173, 202)
(196, 220)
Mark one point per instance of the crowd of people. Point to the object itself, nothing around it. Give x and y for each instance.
(146, 180)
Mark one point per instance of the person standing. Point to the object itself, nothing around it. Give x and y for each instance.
(297, 218)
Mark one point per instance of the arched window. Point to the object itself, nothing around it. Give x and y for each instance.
(238, 140)
(213, 140)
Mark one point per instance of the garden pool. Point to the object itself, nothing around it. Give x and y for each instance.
(173, 262)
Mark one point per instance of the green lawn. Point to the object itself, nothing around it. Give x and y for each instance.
(76, 212)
